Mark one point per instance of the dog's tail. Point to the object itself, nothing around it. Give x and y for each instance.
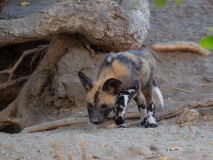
(158, 93)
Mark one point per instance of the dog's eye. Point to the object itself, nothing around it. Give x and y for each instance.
(103, 106)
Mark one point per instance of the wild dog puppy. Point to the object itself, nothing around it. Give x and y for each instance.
(118, 73)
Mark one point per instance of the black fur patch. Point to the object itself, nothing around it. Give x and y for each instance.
(96, 97)
(141, 106)
(120, 120)
(108, 59)
(125, 60)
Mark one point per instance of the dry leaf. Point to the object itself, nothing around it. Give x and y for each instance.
(112, 125)
(165, 157)
(7, 146)
(175, 148)
(103, 144)
(182, 125)
(24, 4)
(66, 109)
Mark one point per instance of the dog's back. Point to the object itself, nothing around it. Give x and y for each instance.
(127, 67)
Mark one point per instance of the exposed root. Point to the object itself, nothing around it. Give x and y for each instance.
(11, 120)
(94, 17)
(14, 82)
(53, 125)
(25, 53)
(180, 46)
(27, 106)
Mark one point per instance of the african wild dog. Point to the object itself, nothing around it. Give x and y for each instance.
(118, 73)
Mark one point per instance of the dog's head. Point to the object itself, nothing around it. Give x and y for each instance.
(100, 96)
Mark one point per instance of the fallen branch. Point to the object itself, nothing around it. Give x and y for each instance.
(53, 125)
(180, 46)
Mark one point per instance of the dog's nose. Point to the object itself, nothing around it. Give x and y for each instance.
(94, 120)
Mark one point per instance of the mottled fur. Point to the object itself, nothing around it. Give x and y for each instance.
(119, 72)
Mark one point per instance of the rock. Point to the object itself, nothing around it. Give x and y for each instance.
(140, 150)
(188, 115)
(153, 147)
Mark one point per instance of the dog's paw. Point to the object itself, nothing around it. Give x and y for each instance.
(151, 125)
(121, 126)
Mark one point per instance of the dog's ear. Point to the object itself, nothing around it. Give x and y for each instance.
(85, 81)
(113, 85)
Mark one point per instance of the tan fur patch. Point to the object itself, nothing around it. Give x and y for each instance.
(91, 94)
(119, 70)
(106, 98)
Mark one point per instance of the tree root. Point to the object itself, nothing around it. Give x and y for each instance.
(14, 82)
(25, 53)
(1, 5)
(104, 23)
(54, 125)
(180, 46)
(27, 106)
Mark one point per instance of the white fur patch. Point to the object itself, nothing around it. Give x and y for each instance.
(121, 125)
(131, 90)
(109, 59)
(126, 99)
(143, 113)
(151, 119)
(159, 95)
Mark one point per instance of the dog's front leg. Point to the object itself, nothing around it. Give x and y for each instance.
(120, 115)
(121, 103)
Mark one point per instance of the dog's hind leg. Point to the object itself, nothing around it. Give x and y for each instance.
(141, 103)
(150, 121)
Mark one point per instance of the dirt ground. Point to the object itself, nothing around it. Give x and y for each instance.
(182, 77)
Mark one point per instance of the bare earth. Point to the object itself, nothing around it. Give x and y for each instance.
(183, 77)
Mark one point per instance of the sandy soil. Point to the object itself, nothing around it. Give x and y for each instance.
(183, 77)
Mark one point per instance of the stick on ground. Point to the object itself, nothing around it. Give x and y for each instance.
(180, 46)
(53, 125)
